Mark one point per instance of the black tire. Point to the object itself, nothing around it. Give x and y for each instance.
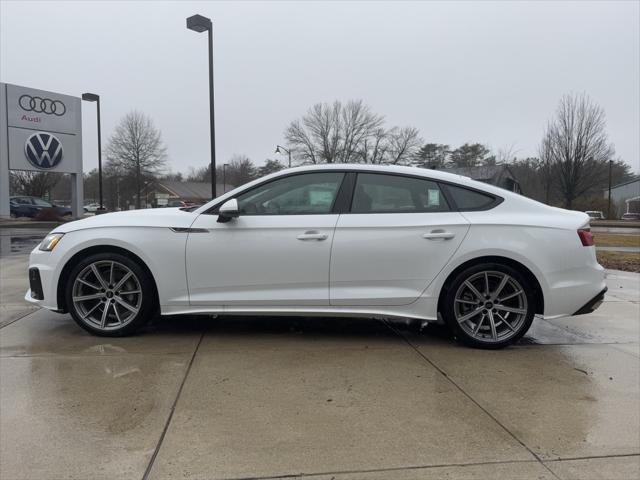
(146, 304)
(459, 298)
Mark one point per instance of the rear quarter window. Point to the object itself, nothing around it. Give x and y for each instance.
(466, 199)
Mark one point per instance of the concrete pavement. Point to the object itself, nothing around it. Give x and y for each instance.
(15, 245)
(340, 399)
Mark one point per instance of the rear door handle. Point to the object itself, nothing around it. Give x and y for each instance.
(312, 235)
(439, 234)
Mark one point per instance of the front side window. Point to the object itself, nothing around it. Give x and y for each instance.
(379, 193)
(310, 193)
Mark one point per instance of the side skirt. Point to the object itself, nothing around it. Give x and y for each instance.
(419, 309)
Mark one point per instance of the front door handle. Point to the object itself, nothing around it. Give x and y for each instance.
(439, 234)
(313, 235)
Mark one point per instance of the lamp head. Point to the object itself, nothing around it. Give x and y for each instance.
(90, 97)
(198, 23)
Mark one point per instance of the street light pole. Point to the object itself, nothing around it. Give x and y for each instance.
(224, 177)
(92, 97)
(199, 24)
(609, 201)
(278, 148)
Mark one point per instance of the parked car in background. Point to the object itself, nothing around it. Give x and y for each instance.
(595, 214)
(631, 216)
(341, 240)
(91, 207)
(179, 203)
(26, 206)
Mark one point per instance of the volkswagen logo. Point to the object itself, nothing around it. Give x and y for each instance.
(42, 105)
(43, 150)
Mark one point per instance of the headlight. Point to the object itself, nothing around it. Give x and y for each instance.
(50, 241)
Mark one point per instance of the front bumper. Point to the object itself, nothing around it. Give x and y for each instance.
(43, 286)
(35, 284)
(592, 304)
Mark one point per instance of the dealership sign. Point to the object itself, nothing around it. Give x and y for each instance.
(43, 130)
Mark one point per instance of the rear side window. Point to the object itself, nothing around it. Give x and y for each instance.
(379, 193)
(466, 199)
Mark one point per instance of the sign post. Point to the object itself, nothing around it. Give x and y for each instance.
(40, 131)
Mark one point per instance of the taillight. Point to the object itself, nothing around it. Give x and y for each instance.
(586, 237)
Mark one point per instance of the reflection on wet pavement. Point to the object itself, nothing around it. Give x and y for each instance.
(19, 241)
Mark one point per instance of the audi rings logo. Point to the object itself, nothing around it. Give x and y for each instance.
(42, 105)
(43, 150)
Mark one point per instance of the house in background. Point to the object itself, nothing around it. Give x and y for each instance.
(498, 175)
(626, 195)
(171, 193)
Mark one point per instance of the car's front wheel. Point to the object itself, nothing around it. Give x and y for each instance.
(109, 294)
(489, 305)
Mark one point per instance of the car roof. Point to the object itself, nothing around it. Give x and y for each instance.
(401, 169)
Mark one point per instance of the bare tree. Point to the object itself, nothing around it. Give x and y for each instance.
(374, 147)
(357, 124)
(576, 147)
(337, 133)
(135, 148)
(544, 151)
(35, 184)
(506, 154)
(403, 144)
(332, 133)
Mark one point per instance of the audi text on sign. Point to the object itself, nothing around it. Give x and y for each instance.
(358, 240)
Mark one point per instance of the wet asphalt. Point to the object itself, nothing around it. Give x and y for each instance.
(324, 398)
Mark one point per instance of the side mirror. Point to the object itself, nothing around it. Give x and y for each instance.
(228, 210)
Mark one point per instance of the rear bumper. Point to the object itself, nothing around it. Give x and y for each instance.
(592, 304)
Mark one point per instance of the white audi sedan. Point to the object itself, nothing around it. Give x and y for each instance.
(340, 240)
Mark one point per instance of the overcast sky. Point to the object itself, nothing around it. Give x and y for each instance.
(488, 72)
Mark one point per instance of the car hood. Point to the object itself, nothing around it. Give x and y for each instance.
(158, 217)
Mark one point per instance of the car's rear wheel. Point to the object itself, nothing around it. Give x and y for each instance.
(109, 294)
(489, 305)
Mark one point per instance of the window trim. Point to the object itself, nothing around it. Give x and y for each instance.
(349, 183)
(213, 210)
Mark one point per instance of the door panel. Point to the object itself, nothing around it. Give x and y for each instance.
(275, 253)
(389, 259)
(398, 235)
(260, 260)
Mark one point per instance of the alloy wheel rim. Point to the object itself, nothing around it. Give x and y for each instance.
(107, 295)
(490, 306)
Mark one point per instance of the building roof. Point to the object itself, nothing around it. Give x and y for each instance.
(482, 173)
(191, 190)
(637, 179)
